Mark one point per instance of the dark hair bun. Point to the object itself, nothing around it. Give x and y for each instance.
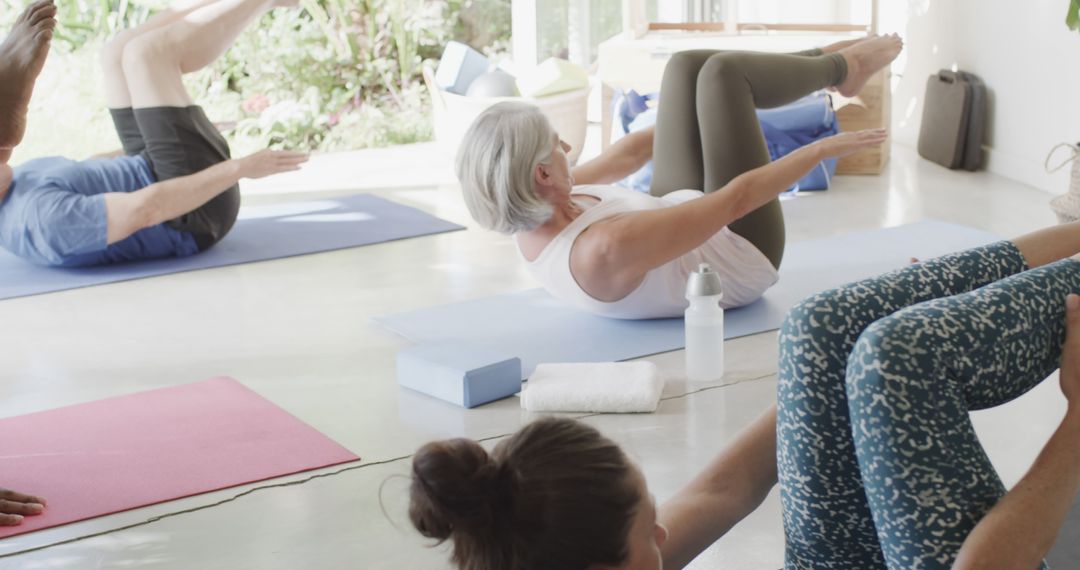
(455, 483)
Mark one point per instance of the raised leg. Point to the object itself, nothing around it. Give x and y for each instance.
(708, 133)
(865, 58)
(677, 156)
(707, 130)
(116, 89)
(117, 96)
(154, 61)
(177, 137)
(731, 86)
(911, 380)
(827, 520)
(22, 57)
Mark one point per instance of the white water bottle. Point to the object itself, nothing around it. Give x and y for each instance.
(704, 326)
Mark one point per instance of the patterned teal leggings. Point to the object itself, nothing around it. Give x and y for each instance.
(879, 465)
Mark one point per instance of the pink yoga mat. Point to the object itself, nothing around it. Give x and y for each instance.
(131, 451)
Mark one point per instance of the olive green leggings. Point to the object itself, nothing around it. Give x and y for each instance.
(707, 132)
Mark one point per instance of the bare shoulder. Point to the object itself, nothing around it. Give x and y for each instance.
(595, 265)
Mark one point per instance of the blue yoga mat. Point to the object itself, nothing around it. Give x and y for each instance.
(538, 328)
(262, 232)
(1066, 550)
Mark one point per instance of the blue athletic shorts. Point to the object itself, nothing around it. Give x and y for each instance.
(54, 214)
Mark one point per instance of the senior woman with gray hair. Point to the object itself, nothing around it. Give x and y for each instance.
(623, 254)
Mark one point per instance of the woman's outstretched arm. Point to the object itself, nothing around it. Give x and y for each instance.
(728, 490)
(612, 256)
(618, 161)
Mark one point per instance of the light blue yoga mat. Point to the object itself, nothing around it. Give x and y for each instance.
(1066, 550)
(262, 232)
(538, 328)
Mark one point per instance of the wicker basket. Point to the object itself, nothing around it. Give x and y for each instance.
(455, 113)
(1067, 206)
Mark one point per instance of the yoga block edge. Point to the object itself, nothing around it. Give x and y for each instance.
(462, 375)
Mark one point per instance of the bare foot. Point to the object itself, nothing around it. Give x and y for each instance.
(835, 47)
(22, 55)
(864, 59)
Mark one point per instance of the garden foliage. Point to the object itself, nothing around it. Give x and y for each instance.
(328, 75)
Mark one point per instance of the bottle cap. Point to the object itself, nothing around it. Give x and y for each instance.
(703, 282)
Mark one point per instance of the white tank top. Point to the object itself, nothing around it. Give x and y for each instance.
(744, 271)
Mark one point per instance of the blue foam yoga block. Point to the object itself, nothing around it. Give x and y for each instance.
(461, 374)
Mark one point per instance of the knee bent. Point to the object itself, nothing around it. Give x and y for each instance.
(684, 65)
(724, 65)
(112, 53)
(888, 356)
(808, 316)
(151, 49)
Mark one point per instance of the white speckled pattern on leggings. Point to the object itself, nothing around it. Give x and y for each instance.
(878, 463)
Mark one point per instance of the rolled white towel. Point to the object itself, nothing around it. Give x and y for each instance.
(593, 387)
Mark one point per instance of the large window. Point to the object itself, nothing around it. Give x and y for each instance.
(573, 29)
(570, 29)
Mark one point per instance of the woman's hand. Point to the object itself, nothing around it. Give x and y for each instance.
(844, 144)
(268, 162)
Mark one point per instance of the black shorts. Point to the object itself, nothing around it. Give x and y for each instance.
(179, 141)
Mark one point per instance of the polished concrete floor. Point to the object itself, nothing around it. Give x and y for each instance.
(298, 332)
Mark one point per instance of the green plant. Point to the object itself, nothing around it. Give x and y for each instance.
(331, 75)
(342, 58)
(1072, 19)
(85, 21)
(349, 66)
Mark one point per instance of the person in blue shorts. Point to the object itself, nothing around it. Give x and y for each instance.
(174, 191)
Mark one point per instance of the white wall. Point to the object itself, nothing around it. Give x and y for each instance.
(1029, 60)
(804, 11)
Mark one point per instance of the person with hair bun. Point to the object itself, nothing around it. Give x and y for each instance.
(557, 494)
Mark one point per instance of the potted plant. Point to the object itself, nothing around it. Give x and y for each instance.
(1067, 206)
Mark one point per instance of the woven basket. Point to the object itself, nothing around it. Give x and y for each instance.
(1067, 206)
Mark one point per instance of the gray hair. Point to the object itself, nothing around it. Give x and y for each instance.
(495, 166)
